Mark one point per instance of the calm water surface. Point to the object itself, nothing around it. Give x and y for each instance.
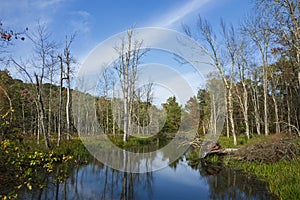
(180, 180)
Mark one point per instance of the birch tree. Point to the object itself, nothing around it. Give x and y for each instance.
(65, 59)
(216, 53)
(286, 14)
(258, 31)
(243, 98)
(130, 54)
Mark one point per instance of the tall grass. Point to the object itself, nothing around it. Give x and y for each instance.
(283, 177)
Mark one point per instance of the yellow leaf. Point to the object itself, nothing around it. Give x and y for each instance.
(29, 186)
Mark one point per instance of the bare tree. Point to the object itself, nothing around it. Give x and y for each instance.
(52, 69)
(214, 51)
(243, 98)
(274, 82)
(258, 31)
(65, 75)
(61, 78)
(42, 62)
(68, 61)
(130, 54)
(287, 30)
(255, 99)
(231, 48)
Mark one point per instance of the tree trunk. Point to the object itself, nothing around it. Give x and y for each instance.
(111, 103)
(277, 125)
(256, 109)
(213, 115)
(126, 68)
(60, 102)
(265, 91)
(68, 92)
(125, 114)
(68, 109)
(50, 97)
(226, 118)
(288, 111)
(41, 112)
(230, 111)
(246, 118)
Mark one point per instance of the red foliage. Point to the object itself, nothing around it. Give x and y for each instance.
(7, 35)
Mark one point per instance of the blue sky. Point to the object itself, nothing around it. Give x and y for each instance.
(95, 21)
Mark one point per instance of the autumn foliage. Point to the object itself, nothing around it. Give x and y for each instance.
(8, 35)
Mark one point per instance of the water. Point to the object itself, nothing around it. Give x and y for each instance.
(181, 180)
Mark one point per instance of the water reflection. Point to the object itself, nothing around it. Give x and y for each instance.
(178, 181)
(226, 183)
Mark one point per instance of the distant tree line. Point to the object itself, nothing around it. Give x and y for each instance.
(258, 62)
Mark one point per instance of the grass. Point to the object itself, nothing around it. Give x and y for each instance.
(241, 141)
(283, 177)
(131, 141)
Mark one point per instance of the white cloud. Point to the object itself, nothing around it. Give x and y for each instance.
(80, 21)
(42, 4)
(179, 13)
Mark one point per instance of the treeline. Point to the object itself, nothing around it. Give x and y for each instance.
(146, 119)
(19, 115)
(41, 105)
(258, 63)
(19, 112)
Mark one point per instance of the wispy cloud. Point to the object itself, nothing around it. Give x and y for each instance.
(179, 13)
(27, 12)
(46, 3)
(80, 21)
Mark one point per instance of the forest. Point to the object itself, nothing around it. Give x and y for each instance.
(258, 63)
(259, 67)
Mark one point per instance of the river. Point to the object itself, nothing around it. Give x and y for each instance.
(180, 180)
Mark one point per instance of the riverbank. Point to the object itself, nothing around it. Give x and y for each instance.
(25, 165)
(274, 159)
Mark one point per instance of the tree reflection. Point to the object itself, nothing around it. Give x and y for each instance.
(98, 181)
(226, 183)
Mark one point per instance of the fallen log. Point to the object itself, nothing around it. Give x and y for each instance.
(222, 151)
(213, 147)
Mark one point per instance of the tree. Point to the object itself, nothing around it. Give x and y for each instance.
(244, 80)
(41, 66)
(204, 109)
(106, 99)
(6, 106)
(288, 35)
(65, 59)
(254, 91)
(43, 48)
(284, 24)
(142, 115)
(130, 54)
(191, 115)
(68, 61)
(173, 120)
(214, 52)
(258, 31)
